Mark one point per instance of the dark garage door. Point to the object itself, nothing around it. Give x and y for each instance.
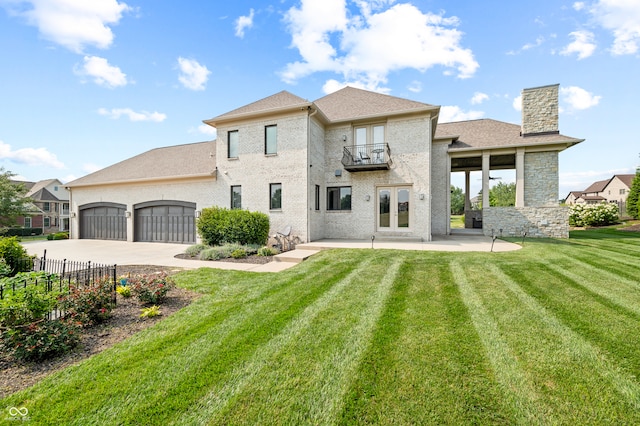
(165, 222)
(103, 221)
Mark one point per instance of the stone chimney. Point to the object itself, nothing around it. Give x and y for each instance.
(540, 110)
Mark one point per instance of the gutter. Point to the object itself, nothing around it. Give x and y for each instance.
(308, 236)
(143, 180)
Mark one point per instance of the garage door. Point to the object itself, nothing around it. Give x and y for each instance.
(103, 221)
(165, 222)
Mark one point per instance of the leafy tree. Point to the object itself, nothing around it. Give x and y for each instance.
(457, 200)
(12, 198)
(503, 195)
(633, 199)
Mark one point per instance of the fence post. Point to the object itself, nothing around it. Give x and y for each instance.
(115, 284)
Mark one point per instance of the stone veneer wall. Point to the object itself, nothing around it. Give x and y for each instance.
(541, 179)
(538, 222)
(540, 109)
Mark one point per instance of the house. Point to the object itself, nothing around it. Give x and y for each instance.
(612, 190)
(49, 207)
(352, 164)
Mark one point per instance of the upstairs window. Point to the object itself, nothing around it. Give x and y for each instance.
(232, 144)
(317, 206)
(46, 206)
(275, 190)
(47, 222)
(270, 139)
(236, 197)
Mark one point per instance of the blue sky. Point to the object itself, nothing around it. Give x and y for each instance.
(85, 84)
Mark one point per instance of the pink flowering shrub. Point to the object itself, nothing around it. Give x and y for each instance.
(151, 289)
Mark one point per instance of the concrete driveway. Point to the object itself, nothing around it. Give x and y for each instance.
(126, 253)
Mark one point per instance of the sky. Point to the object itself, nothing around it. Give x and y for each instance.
(86, 84)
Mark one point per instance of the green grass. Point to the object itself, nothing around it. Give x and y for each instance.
(457, 221)
(543, 335)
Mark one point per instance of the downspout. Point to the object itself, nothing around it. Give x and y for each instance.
(309, 115)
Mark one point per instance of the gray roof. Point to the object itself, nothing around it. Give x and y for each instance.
(280, 101)
(488, 133)
(597, 186)
(172, 162)
(350, 103)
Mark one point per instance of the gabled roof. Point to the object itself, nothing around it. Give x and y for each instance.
(626, 179)
(40, 185)
(278, 102)
(597, 186)
(349, 104)
(488, 133)
(172, 162)
(43, 194)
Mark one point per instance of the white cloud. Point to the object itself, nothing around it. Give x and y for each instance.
(365, 45)
(517, 103)
(454, 113)
(415, 87)
(578, 98)
(578, 6)
(479, 98)
(193, 75)
(205, 129)
(73, 24)
(582, 44)
(30, 156)
(116, 113)
(102, 73)
(622, 18)
(244, 22)
(331, 86)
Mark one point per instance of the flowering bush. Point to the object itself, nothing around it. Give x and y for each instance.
(89, 305)
(41, 339)
(151, 288)
(593, 214)
(124, 291)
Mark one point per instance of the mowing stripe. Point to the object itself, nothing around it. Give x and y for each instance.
(618, 290)
(505, 367)
(625, 257)
(218, 398)
(573, 343)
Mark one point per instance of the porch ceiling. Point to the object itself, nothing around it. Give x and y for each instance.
(474, 163)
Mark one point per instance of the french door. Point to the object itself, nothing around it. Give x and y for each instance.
(394, 208)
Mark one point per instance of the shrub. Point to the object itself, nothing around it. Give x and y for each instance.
(58, 236)
(267, 251)
(26, 305)
(41, 339)
(593, 214)
(195, 250)
(14, 254)
(5, 269)
(124, 291)
(91, 304)
(218, 225)
(150, 312)
(239, 254)
(151, 288)
(633, 199)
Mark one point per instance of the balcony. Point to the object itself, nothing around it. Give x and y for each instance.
(365, 158)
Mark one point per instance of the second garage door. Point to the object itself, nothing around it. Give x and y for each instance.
(165, 222)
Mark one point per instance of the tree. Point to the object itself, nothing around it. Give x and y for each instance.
(633, 199)
(502, 195)
(13, 203)
(457, 200)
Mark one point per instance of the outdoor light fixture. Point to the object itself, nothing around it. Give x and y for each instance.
(198, 213)
(127, 214)
(367, 197)
(73, 214)
(422, 196)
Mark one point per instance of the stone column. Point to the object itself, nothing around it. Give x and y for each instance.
(486, 166)
(467, 189)
(520, 177)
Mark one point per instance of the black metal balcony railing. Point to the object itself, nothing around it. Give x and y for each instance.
(360, 158)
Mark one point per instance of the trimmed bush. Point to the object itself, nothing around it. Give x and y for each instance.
(267, 251)
(89, 305)
(151, 289)
(218, 225)
(41, 339)
(22, 232)
(593, 214)
(58, 236)
(14, 254)
(239, 254)
(195, 250)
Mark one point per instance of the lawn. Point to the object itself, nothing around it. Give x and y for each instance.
(544, 335)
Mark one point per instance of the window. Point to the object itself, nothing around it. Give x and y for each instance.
(27, 222)
(270, 140)
(46, 206)
(275, 190)
(339, 198)
(622, 191)
(236, 197)
(47, 222)
(232, 144)
(317, 197)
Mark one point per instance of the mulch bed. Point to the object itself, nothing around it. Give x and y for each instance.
(125, 321)
(632, 228)
(249, 259)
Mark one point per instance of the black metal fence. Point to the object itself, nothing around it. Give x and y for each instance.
(61, 275)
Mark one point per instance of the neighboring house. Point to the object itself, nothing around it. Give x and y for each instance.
(49, 209)
(353, 164)
(613, 190)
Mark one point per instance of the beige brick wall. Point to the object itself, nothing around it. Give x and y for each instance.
(440, 188)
